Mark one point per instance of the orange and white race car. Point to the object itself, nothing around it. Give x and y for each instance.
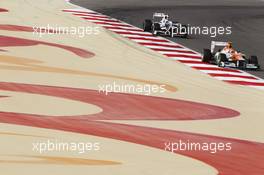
(229, 57)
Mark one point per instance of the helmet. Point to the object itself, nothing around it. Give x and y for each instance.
(229, 44)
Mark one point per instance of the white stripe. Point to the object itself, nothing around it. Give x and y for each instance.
(250, 75)
(189, 54)
(199, 65)
(221, 72)
(147, 41)
(90, 15)
(163, 43)
(224, 72)
(108, 22)
(183, 59)
(94, 18)
(149, 37)
(79, 10)
(101, 19)
(238, 79)
(168, 48)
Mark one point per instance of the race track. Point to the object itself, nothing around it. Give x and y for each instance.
(245, 17)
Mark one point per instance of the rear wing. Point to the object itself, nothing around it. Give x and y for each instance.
(161, 15)
(217, 43)
(158, 14)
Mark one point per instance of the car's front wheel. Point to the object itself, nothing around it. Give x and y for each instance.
(147, 25)
(207, 56)
(155, 28)
(221, 60)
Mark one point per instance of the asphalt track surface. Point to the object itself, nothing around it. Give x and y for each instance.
(246, 17)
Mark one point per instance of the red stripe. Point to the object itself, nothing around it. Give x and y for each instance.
(98, 19)
(193, 61)
(106, 23)
(161, 45)
(229, 75)
(216, 68)
(80, 14)
(245, 83)
(149, 39)
(182, 55)
(104, 20)
(139, 34)
(180, 51)
(8, 41)
(3, 10)
(115, 27)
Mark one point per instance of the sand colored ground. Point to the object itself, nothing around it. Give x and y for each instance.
(114, 157)
(116, 59)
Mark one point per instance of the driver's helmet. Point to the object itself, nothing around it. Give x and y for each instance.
(166, 17)
(229, 45)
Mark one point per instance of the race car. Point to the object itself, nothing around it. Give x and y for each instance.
(229, 57)
(160, 25)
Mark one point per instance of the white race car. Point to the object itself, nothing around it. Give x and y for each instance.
(229, 57)
(160, 25)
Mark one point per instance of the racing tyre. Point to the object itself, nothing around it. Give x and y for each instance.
(155, 29)
(242, 65)
(207, 56)
(222, 59)
(147, 25)
(254, 60)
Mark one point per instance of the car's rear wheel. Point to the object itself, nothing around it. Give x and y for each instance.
(207, 56)
(253, 60)
(222, 59)
(242, 64)
(147, 25)
(155, 29)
